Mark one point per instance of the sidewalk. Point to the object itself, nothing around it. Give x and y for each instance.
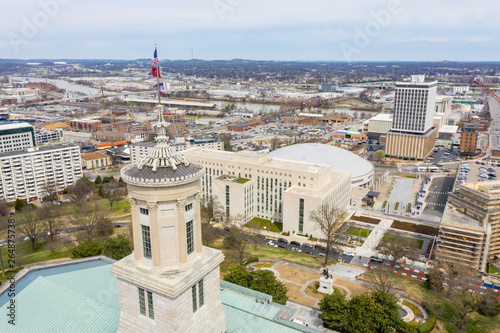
(368, 248)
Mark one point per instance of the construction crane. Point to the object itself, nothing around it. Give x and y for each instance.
(486, 90)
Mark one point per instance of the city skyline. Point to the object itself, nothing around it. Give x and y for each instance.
(228, 29)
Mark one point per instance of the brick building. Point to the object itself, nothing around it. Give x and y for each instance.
(85, 124)
(468, 140)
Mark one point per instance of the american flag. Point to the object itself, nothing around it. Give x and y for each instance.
(155, 68)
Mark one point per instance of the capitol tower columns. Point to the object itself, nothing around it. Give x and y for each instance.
(170, 283)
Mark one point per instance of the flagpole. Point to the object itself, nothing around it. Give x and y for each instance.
(157, 76)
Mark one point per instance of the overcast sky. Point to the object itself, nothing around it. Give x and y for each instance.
(252, 29)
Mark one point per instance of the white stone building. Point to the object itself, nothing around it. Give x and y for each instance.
(254, 185)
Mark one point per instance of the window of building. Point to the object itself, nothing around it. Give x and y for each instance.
(150, 305)
(188, 207)
(142, 302)
(146, 242)
(144, 211)
(193, 296)
(301, 216)
(149, 309)
(190, 237)
(201, 298)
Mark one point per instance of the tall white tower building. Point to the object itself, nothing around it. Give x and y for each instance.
(412, 135)
(170, 283)
(414, 105)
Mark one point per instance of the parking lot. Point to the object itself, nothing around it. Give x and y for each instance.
(476, 170)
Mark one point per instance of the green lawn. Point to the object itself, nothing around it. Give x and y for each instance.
(242, 180)
(355, 232)
(258, 223)
(24, 255)
(493, 271)
(396, 239)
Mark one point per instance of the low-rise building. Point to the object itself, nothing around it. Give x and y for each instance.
(43, 135)
(85, 124)
(30, 174)
(95, 160)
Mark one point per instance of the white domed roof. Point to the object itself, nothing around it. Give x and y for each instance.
(318, 153)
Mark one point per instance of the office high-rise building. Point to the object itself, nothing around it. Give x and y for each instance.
(16, 136)
(412, 135)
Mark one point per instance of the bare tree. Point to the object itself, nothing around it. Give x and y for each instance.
(382, 280)
(275, 142)
(461, 302)
(49, 191)
(211, 209)
(236, 240)
(31, 225)
(86, 216)
(80, 189)
(207, 233)
(4, 207)
(327, 219)
(47, 213)
(112, 193)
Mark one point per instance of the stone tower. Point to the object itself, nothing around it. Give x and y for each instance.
(170, 283)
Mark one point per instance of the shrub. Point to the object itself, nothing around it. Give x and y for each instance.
(430, 323)
(384, 204)
(86, 249)
(286, 233)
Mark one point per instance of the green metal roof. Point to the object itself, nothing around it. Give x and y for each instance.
(79, 297)
(247, 312)
(82, 297)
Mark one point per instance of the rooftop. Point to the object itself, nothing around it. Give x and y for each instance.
(4, 127)
(39, 149)
(339, 159)
(81, 296)
(93, 156)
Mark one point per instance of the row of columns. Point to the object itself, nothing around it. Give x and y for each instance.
(155, 230)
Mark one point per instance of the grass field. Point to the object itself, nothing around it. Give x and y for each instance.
(24, 255)
(355, 232)
(258, 223)
(396, 239)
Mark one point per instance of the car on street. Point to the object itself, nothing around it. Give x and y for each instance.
(295, 243)
(349, 253)
(377, 259)
(307, 246)
(296, 249)
(282, 240)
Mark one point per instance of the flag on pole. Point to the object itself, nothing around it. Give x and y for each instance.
(156, 66)
(162, 88)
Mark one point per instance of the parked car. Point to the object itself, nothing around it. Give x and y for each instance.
(307, 246)
(349, 253)
(282, 240)
(377, 259)
(296, 249)
(295, 243)
(319, 247)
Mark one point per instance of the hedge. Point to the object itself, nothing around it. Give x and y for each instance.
(250, 260)
(430, 323)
